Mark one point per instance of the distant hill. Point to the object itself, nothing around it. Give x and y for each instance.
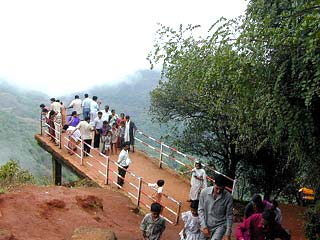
(19, 117)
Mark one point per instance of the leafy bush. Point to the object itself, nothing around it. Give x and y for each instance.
(11, 174)
(312, 222)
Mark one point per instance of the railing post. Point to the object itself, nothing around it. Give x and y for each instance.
(139, 191)
(160, 158)
(41, 123)
(178, 213)
(233, 186)
(107, 171)
(81, 159)
(60, 136)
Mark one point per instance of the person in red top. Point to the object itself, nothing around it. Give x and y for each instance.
(261, 226)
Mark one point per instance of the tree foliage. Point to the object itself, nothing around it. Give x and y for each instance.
(246, 95)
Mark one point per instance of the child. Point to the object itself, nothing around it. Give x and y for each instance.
(103, 136)
(191, 230)
(121, 132)
(115, 134)
(107, 143)
(153, 225)
(159, 187)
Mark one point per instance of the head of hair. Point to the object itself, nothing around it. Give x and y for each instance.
(127, 117)
(194, 204)
(99, 113)
(45, 110)
(42, 105)
(65, 127)
(52, 99)
(160, 182)
(112, 111)
(198, 163)
(114, 124)
(87, 119)
(257, 199)
(269, 215)
(74, 113)
(105, 122)
(76, 96)
(125, 144)
(106, 107)
(57, 100)
(51, 113)
(219, 180)
(155, 207)
(275, 203)
(86, 95)
(94, 98)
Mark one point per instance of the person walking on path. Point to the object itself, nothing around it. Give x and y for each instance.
(153, 225)
(198, 181)
(216, 211)
(124, 162)
(191, 230)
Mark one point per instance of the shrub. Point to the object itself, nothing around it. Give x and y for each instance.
(11, 174)
(312, 222)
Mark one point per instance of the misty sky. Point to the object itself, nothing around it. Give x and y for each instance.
(63, 46)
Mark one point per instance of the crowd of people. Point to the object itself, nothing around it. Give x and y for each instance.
(211, 208)
(110, 131)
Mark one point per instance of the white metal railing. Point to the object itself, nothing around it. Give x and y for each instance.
(161, 150)
(136, 188)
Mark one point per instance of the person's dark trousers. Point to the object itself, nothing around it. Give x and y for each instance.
(96, 139)
(122, 172)
(86, 148)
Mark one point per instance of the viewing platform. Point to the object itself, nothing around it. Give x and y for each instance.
(103, 170)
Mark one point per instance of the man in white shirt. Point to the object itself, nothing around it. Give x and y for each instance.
(123, 161)
(86, 134)
(106, 113)
(55, 105)
(94, 108)
(98, 123)
(86, 106)
(76, 104)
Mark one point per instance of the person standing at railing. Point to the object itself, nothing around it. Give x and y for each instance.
(129, 133)
(121, 133)
(73, 120)
(97, 123)
(115, 135)
(86, 134)
(106, 113)
(86, 106)
(124, 162)
(94, 108)
(74, 138)
(76, 105)
(198, 181)
(103, 136)
(158, 186)
(51, 125)
(216, 211)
